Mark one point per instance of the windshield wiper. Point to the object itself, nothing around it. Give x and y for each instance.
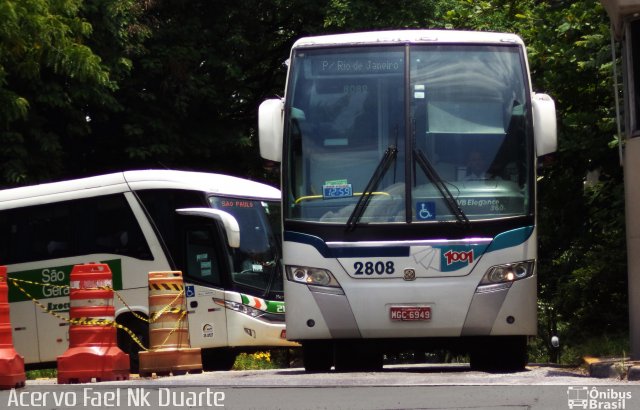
(433, 175)
(384, 164)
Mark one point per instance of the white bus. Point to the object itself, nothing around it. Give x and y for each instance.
(222, 232)
(409, 187)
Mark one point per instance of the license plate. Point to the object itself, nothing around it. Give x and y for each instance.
(407, 313)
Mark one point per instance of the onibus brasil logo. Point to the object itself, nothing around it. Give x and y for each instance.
(583, 397)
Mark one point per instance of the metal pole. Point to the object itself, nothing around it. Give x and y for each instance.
(632, 212)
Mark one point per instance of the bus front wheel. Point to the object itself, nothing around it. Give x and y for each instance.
(317, 355)
(357, 356)
(499, 354)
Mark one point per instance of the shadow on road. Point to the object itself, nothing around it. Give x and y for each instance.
(421, 368)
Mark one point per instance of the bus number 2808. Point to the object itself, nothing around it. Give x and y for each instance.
(378, 268)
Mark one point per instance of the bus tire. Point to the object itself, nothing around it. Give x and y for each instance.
(219, 359)
(499, 354)
(358, 356)
(126, 342)
(317, 355)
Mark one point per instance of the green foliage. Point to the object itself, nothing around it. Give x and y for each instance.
(41, 374)
(582, 265)
(254, 361)
(601, 345)
(48, 76)
(193, 91)
(506, 15)
(362, 15)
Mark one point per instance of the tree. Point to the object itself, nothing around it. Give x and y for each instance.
(582, 241)
(192, 97)
(362, 15)
(48, 76)
(118, 36)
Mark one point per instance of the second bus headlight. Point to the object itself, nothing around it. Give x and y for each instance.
(247, 310)
(311, 276)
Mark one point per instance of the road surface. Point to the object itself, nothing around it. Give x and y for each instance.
(396, 387)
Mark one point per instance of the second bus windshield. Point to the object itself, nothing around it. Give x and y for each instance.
(453, 133)
(256, 261)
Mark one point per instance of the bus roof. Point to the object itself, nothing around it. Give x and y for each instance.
(136, 180)
(410, 36)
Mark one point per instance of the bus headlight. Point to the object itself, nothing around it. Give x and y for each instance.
(247, 310)
(507, 273)
(311, 276)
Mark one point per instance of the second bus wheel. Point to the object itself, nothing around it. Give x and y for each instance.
(218, 359)
(127, 344)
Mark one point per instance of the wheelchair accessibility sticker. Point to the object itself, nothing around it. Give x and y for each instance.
(189, 291)
(426, 211)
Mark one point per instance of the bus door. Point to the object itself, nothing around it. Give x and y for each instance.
(37, 334)
(203, 271)
(23, 324)
(53, 333)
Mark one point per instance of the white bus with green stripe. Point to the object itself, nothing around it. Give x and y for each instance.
(409, 165)
(222, 232)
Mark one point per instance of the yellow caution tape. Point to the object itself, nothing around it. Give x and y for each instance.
(103, 322)
(166, 309)
(166, 339)
(16, 280)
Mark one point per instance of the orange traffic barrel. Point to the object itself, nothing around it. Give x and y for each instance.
(167, 308)
(11, 363)
(93, 352)
(170, 350)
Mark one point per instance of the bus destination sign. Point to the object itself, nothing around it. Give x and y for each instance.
(350, 65)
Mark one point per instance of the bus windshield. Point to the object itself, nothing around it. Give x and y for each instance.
(420, 133)
(256, 263)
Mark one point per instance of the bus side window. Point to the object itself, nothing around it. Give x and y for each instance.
(103, 224)
(160, 205)
(37, 233)
(201, 257)
(6, 231)
(113, 228)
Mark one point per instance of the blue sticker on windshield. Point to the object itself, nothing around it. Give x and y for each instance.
(425, 211)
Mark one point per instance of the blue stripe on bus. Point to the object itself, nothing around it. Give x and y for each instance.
(510, 239)
(347, 251)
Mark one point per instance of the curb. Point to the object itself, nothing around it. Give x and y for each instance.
(613, 368)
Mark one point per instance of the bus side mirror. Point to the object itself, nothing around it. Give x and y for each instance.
(230, 223)
(544, 124)
(270, 129)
